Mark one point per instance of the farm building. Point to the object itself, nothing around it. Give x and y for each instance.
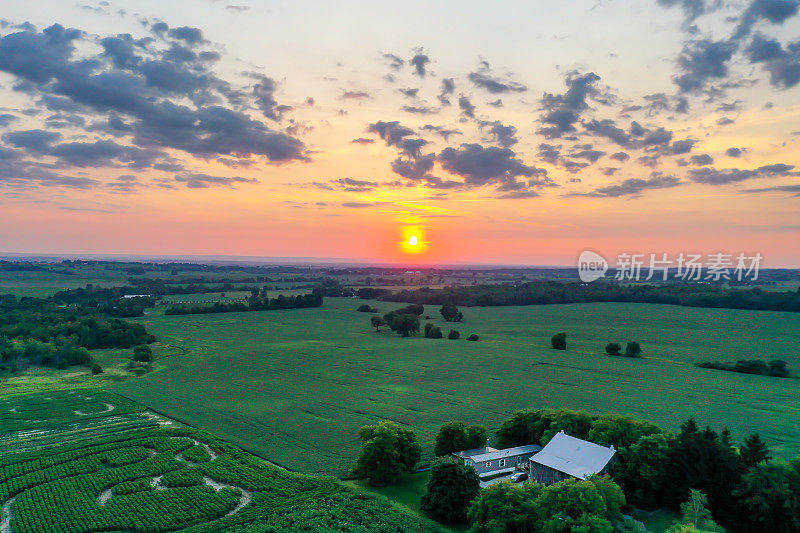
(489, 460)
(565, 457)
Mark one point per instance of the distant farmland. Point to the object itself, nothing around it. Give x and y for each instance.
(294, 386)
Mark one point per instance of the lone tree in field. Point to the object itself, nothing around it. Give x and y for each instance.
(387, 450)
(96, 369)
(405, 325)
(453, 335)
(364, 308)
(633, 349)
(451, 313)
(377, 322)
(451, 489)
(613, 348)
(473, 338)
(142, 353)
(456, 436)
(559, 341)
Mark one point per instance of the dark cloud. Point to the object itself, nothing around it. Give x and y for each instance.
(692, 9)
(391, 132)
(347, 185)
(634, 187)
(502, 134)
(701, 160)
(733, 152)
(794, 189)
(411, 93)
(448, 87)
(573, 167)
(725, 121)
(586, 151)
(651, 161)
(420, 62)
(484, 79)
(362, 140)
(149, 92)
(713, 176)
(34, 141)
(480, 165)
(6, 119)
(773, 11)
(620, 156)
(394, 62)
(187, 34)
(783, 64)
(550, 153)
(419, 109)
(518, 195)
(496, 103)
(442, 131)
(355, 95)
(204, 181)
(357, 205)
(562, 111)
(415, 169)
(607, 128)
(466, 107)
(703, 60)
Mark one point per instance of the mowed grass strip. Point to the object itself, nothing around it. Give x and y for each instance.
(294, 386)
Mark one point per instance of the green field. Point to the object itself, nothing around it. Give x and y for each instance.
(294, 386)
(77, 468)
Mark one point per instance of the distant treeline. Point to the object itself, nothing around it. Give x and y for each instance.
(256, 302)
(560, 292)
(777, 368)
(37, 331)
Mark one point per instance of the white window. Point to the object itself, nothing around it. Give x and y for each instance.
(502, 462)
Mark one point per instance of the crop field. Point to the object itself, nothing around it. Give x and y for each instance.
(294, 386)
(158, 478)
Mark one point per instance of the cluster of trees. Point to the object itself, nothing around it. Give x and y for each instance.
(451, 313)
(255, 302)
(387, 451)
(35, 331)
(777, 368)
(560, 292)
(366, 308)
(405, 322)
(632, 349)
(746, 490)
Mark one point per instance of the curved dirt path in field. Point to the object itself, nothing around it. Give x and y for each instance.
(5, 521)
(244, 500)
(156, 483)
(109, 408)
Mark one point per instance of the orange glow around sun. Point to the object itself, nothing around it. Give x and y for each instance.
(413, 241)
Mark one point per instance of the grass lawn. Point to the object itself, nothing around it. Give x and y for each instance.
(294, 386)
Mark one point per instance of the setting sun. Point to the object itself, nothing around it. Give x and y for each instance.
(413, 240)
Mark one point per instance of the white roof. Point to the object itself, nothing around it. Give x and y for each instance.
(466, 454)
(576, 457)
(508, 452)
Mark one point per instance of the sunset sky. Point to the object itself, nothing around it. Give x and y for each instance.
(496, 133)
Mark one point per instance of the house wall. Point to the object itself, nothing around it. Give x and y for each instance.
(481, 467)
(546, 475)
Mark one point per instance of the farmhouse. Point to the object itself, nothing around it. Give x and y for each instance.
(565, 457)
(489, 460)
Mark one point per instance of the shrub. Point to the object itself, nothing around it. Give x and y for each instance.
(405, 325)
(432, 332)
(613, 348)
(559, 341)
(96, 369)
(142, 353)
(778, 368)
(453, 335)
(364, 308)
(633, 349)
(473, 338)
(451, 313)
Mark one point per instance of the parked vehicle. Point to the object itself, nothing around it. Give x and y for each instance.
(519, 477)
